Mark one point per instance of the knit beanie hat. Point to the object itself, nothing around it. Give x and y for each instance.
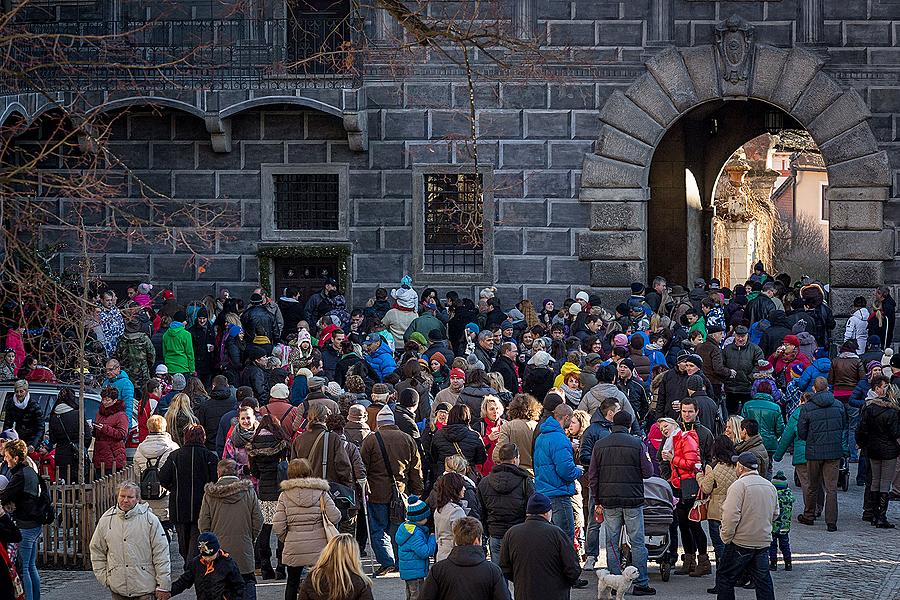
(797, 369)
(408, 397)
(764, 367)
(380, 392)
(695, 383)
(178, 382)
(419, 339)
(779, 481)
(440, 358)
(385, 416)
(416, 509)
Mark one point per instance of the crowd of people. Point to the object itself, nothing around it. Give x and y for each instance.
(470, 443)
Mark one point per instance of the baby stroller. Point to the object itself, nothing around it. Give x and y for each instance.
(659, 510)
(843, 482)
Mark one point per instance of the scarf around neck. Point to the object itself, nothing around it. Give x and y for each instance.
(240, 437)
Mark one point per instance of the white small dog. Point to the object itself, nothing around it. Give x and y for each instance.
(606, 583)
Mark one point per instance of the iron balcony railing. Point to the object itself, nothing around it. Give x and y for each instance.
(302, 50)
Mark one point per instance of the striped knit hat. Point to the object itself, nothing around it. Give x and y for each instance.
(779, 481)
(416, 509)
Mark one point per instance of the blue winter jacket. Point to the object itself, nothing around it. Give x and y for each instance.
(382, 360)
(415, 545)
(819, 368)
(860, 392)
(555, 470)
(126, 393)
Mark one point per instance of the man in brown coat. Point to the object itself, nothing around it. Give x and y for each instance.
(713, 366)
(231, 510)
(405, 466)
(311, 445)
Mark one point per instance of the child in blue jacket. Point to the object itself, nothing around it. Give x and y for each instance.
(415, 546)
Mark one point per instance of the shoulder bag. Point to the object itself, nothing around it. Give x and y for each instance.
(331, 531)
(397, 505)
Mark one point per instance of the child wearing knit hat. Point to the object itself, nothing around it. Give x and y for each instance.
(781, 526)
(415, 546)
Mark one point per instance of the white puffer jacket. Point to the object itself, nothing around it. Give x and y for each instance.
(130, 552)
(155, 445)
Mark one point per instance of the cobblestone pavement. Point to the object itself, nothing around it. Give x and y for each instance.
(855, 562)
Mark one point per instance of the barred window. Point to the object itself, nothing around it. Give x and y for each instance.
(307, 201)
(453, 222)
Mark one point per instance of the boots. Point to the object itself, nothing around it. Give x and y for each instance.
(267, 571)
(773, 564)
(787, 564)
(880, 520)
(870, 500)
(703, 567)
(688, 562)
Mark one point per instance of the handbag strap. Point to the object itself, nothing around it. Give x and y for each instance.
(325, 457)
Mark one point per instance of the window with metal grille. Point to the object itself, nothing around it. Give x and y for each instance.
(307, 201)
(453, 223)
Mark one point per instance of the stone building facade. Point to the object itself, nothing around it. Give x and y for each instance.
(581, 160)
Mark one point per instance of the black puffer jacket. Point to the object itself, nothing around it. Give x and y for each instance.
(538, 381)
(64, 436)
(822, 423)
(23, 490)
(464, 575)
(879, 428)
(445, 442)
(224, 580)
(774, 335)
(473, 397)
(673, 387)
(618, 468)
(184, 474)
(258, 379)
(202, 338)
(507, 370)
(637, 396)
(265, 451)
(210, 413)
(503, 496)
(405, 419)
(28, 422)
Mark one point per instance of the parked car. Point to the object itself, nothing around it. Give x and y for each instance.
(45, 394)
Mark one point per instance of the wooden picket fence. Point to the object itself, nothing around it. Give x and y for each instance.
(66, 543)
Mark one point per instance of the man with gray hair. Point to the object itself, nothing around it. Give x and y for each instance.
(130, 550)
(325, 452)
(484, 350)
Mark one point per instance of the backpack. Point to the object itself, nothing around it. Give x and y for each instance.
(43, 508)
(151, 489)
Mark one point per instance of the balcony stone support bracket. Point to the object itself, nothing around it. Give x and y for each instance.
(356, 120)
(219, 133)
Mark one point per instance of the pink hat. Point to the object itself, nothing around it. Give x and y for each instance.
(620, 340)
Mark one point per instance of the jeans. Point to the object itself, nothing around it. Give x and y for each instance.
(633, 520)
(249, 586)
(716, 539)
(738, 562)
(27, 559)
(782, 540)
(494, 544)
(853, 415)
(414, 588)
(592, 535)
(292, 589)
(563, 515)
(381, 533)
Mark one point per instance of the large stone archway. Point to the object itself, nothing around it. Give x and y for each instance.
(615, 178)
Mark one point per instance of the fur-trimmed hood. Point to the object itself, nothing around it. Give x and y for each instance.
(228, 489)
(303, 493)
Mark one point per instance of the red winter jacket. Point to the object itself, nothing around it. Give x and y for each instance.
(109, 442)
(686, 450)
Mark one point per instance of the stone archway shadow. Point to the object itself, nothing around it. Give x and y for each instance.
(615, 178)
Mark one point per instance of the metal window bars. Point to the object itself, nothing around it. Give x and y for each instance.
(307, 201)
(454, 220)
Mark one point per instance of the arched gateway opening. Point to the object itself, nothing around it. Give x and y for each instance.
(738, 84)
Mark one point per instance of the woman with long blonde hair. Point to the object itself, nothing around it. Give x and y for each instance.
(178, 416)
(338, 574)
(733, 428)
(531, 316)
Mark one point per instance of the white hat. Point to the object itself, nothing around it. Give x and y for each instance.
(583, 296)
(280, 391)
(385, 416)
(575, 308)
(540, 359)
(162, 370)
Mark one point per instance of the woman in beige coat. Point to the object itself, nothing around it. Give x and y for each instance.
(714, 482)
(298, 524)
(523, 414)
(156, 447)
